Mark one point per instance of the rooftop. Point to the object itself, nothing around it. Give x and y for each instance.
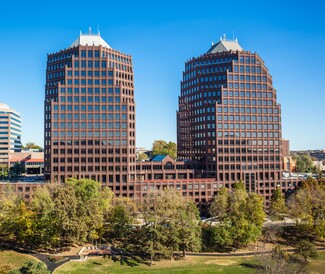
(5, 108)
(225, 45)
(158, 158)
(90, 39)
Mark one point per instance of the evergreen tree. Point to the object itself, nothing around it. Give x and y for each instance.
(219, 204)
(306, 249)
(277, 207)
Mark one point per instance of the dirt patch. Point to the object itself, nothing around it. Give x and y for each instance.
(221, 261)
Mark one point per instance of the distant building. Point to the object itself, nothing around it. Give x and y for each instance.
(34, 166)
(33, 162)
(25, 190)
(289, 164)
(141, 150)
(162, 171)
(10, 133)
(285, 151)
(320, 164)
(318, 155)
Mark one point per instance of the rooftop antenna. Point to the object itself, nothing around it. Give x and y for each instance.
(224, 37)
(89, 30)
(98, 32)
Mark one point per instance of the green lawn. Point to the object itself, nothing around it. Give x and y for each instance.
(10, 260)
(189, 265)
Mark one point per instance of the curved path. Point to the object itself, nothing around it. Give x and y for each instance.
(53, 265)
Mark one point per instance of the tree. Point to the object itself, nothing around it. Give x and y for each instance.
(9, 202)
(72, 227)
(31, 145)
(219, 204)
(120, 219)
(306, 249)
(164, 148)
(79, 209)
(143, 157)
(255, 209)
(271, 232)
(73, 212)
(307, 205)
(32, 267)
(189, 228)
(274, 263)
(170, 222)
(277, 206)
(17, 169)
(304, 163)
(3, 171)
(217, 237)
(15, 217)
(278, 262)
(238, 213)
(23, 224)
(159, 213)
(45, 225)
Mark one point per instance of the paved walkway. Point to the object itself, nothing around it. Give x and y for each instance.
(50, 264)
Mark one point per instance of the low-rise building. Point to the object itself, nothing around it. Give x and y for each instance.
(23, 189)
(318, 155)
(289, 164)
(32, 161)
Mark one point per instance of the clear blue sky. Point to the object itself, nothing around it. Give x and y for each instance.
(161, 36)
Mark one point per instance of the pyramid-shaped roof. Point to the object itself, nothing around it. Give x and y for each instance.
(225, 45)
(89, 39)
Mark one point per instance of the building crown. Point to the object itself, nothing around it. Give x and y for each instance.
(90, 39)
(225, 45)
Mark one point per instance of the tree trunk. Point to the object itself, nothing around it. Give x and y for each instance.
(306, 261)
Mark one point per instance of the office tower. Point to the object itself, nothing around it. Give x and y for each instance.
(229, 121)
(10, 133)
(89, 113)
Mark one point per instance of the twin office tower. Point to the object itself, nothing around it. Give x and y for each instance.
(228, 123)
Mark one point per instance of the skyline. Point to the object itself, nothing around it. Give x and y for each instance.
(160, 43)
